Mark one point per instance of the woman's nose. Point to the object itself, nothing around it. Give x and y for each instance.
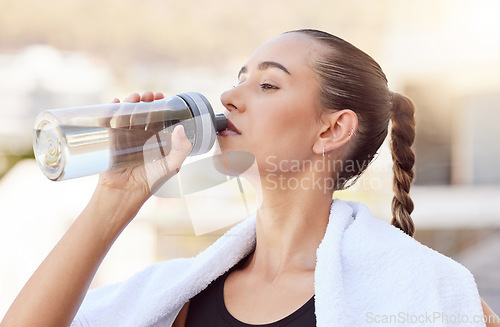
(232, 99)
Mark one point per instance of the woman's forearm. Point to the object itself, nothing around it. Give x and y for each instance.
(52, 296)
(55, 291)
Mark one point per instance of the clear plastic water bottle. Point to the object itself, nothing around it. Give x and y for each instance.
(82, 141)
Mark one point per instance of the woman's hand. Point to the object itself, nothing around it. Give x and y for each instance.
(157, 159)
(55, 291)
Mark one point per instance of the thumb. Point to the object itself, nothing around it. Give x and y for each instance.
(159, 171)
(181, 147)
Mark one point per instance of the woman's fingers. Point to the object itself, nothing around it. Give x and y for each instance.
(120, 119)
(160, 170)
(159, 96)
(128, 117)
(134, 97)
(152, 119)
(147, 96)
(180, 148)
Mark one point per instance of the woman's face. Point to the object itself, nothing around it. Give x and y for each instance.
(275, 105)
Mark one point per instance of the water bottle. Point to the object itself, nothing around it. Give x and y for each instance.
(81, 141)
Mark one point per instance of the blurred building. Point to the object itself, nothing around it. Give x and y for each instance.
(42, 77)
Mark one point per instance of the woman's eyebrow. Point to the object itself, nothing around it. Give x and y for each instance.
(243, 70)
(272, 64)
(265, 65)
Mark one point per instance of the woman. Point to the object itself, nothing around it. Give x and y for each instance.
(304, 98)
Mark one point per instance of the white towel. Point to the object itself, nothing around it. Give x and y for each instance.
(368, 273)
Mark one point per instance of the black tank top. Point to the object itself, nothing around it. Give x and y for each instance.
(207, 309)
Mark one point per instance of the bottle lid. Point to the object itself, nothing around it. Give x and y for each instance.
(205, 122)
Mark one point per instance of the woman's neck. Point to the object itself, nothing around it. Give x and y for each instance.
(291, 223)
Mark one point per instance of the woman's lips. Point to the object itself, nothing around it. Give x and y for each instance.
(230, 130)
(227, 132)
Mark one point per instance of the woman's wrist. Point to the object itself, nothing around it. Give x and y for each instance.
(113, 208)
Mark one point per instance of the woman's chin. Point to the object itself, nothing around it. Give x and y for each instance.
(233, 163)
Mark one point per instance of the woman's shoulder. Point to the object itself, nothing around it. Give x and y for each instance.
(395, 250)
(380, 269)
(153, 274)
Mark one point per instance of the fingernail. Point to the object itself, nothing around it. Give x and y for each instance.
(180, 130)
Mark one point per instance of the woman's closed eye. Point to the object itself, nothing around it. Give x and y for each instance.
(268, 86)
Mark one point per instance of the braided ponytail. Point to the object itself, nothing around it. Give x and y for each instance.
(402, 137)
(350, 78)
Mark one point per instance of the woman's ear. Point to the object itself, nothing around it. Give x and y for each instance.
(337, 128)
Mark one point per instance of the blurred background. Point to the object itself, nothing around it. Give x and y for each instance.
(444, 54)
